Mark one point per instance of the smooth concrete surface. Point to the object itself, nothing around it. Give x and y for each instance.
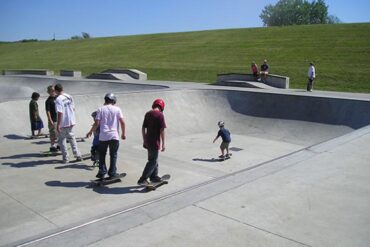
(301, 179)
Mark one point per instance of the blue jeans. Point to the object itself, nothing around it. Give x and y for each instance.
(113, 148)
(151, 167)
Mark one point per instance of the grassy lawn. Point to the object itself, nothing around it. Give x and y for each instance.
(341, 54)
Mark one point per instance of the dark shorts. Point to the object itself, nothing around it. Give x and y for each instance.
(37, 125)
(224, 145)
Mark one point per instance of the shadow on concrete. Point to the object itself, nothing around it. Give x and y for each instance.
(209, 159)
(14, 137)
(81, 166)
(20, 156)
(41, 142)
(67, 184)
(119, 191)
(28, 164)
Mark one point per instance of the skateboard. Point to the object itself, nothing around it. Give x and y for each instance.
(78, 139)
(105, 181)
(83, 156)
(153, 186)
(224, 158)
(38, 136)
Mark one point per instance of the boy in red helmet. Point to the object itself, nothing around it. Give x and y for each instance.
(153, 140)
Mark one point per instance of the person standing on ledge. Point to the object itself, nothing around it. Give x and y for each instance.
(254, 69)
(264, 71)
(66, 120)
(153, 140)
(311, 74)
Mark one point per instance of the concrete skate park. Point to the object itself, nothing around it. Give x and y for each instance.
(299, 174)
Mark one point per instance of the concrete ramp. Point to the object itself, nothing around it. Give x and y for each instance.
(278, 164)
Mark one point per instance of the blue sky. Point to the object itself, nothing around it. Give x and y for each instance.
(40, 19)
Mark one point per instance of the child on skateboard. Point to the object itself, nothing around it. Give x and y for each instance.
(95, 144)
(109, 117)
(153, 140)
(52, 118)
(35, 119)
(226, 139)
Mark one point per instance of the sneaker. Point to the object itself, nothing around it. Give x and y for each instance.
(100, 175)
(79, 158)
(53, 149)
(156, 179)
(221, 156)
(65, 161)
(143, 182)
(116, 175)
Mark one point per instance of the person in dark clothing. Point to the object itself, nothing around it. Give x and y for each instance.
(226, 139)
(51, 114)
(264, 71)
(153, 140)
(35, 119)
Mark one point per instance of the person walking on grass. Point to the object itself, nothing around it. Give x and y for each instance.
(65, 108)
(226, 139)
(52, 117)
(153, 140)
(109, 117)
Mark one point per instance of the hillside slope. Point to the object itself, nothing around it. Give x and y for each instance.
(341, 54)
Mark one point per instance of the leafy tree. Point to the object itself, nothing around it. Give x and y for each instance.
(85, 35)
(295, 12)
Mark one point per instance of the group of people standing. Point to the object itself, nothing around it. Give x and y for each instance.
(262, 75)
(109, 126)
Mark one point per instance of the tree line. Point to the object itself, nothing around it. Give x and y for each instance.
(297, 12)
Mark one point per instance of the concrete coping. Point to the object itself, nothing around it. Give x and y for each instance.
(134, 73)
(28, 72)
(71, 73)
(277, 81)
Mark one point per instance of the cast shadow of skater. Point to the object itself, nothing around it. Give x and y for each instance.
(81, 166)
(14, 137)
(212, 160)
(118, 191)
(29, 164)
(20, 156)
(67, 184)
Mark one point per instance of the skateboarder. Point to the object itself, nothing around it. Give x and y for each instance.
(153, 140)
(65, 108)
(35, 119)
(226, 139)
(95, 144)
(109, 117)
(52, 117)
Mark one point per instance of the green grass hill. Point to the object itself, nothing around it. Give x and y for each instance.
(341, 54)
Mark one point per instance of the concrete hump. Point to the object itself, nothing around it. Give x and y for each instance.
(133, 73)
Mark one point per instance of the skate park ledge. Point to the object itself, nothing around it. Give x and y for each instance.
(228, 79)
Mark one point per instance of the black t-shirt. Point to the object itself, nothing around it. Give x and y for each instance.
(50, 106)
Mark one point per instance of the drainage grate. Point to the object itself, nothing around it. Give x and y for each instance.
(235, 149)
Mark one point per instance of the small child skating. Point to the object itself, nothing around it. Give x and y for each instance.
(35, 119)
(95, 144)
(226, 139)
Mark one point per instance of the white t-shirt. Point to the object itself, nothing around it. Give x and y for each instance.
(311, 72)
(64, 104)
(109, 116)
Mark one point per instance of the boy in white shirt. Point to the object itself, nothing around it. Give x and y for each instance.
(311, 74)
(66, 120)
(109, 117)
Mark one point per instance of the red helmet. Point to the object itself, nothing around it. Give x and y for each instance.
(159, 103)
